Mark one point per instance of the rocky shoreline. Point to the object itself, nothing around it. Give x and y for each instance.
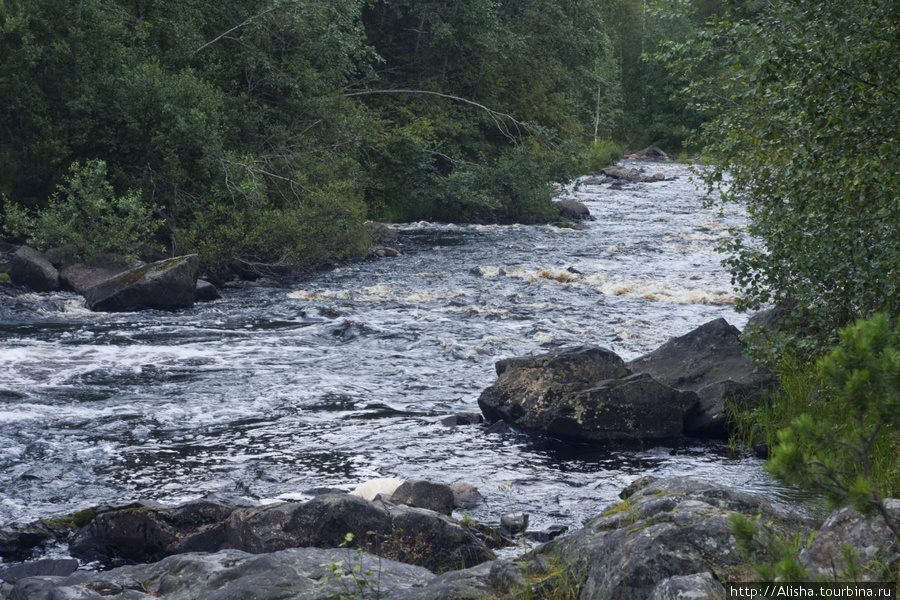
(669, 538)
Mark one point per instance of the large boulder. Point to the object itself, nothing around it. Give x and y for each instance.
(165, 285)
(146, 532)
(584, 394)
(710, 362)
(28, 267)
(299, 573)
(868, 540)
(573, 210)
(80, 277)
(674, 534)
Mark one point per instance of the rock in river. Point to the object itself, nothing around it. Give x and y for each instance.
(165, 285)
(709, 361)
(584, 394)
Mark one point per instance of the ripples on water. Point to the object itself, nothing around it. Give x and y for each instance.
(344, 376)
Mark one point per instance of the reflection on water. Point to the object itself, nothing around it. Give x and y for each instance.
(344, 376)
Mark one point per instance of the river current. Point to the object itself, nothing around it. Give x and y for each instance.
(344, 376)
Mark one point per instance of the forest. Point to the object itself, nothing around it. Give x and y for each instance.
(261, 134)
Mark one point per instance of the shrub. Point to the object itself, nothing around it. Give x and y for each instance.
(85, 214)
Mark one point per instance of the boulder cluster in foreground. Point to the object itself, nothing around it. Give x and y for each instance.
(669, 538)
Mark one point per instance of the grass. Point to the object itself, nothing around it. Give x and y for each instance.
(800, 391)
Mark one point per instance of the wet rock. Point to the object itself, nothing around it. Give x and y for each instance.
(711, 416)
(28, 267)
(466, 495)
(147, 532)
(513, 523)
(584, 394)
(709, 361)
(382, 252)
(294, 573)
(573, 210)
(80, 277)
(462, 419)
(206, 292)
(56, 567)
(165, 285)
(620, 173)
(649, 153)
(636, 486)
(381, 234)
(868, 539)
(425, 494)
(19, 542)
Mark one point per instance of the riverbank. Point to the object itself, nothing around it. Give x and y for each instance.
(666, 538)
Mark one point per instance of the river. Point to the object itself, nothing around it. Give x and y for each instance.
(344, 376)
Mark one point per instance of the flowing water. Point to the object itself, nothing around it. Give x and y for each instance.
(344, 376)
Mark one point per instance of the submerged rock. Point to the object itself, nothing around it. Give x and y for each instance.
(165, 285)
(584, 394)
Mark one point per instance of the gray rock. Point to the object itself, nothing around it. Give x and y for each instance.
(466, 495)
(869, 539)
(57, 567)
(28, 267)
(425, 494)
(636, 486)
(80, 277)
(513, 523)
(462, 419)
(699, 586)
(165, 285)
(571, 209)
(711, 416)
(709, 361)
(206, 292)
(584, 394)
(147, 533)
(294, 574)
(672, 528)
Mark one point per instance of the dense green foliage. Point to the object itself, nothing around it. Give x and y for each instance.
(85, 217)
(262, 133)
(806, 101)
(861, 378)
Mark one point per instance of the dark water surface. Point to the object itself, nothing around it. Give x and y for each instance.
(344, 376)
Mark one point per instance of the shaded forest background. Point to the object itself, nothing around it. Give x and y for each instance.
(262, 133)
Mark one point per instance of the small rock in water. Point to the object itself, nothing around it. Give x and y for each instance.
(513, 523)
(462, 419)
(466, 495)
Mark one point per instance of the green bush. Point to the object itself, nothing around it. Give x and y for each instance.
(848, 450)
(602, 153)
(86, 215)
